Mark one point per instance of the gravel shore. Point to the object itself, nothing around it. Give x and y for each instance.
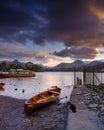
(56, 116)
(13, 117)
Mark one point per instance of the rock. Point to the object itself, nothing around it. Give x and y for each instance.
(42, 115)
(27, 122)
(102, 109)
(88, 98)
(93, 105)
(93, 118)
(77, 91)
(96, 97)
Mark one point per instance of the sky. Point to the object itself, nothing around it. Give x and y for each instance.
(50, 32)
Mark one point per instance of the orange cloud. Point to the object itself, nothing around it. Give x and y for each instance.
(97, 10)
(10, 47)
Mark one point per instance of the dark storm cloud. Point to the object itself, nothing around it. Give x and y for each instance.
(79, 53)
(56, 20)
(69, 20)
(77, 23)
(19, 21)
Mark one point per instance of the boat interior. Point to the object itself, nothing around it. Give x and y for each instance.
(42, 96)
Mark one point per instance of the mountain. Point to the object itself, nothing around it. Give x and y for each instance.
(74, 64)
(15, 62)
(7, 65)
(93, 63)
(78, 65)
(62, 65)
(97, 66)
(43, 66)
(29, 65)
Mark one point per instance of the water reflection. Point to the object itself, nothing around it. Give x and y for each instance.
(24, 88)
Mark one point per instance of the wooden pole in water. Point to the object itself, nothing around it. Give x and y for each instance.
(84, 75)
(93, 74)
(74, 76)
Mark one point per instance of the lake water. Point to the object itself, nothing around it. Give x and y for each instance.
(40, 82)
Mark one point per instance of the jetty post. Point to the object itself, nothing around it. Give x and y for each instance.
(91, 76)
(75, 77)
(84, 75)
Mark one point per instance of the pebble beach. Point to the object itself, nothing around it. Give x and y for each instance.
(13, 117)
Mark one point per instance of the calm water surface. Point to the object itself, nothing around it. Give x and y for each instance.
(34, 85)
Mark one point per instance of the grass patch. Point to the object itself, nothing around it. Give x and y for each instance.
(96, 88)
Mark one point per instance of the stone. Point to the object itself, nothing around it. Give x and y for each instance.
(27, 121)
(42, 115)
(93, 118)
(96, 97)
(93, 105)
(102, 109)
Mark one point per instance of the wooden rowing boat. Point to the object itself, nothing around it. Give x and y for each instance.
(42, 99)
(2, 86)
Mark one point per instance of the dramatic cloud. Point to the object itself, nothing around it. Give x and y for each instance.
(41, 20)
(21, 52)
(97, 7)
(79, 53)
(9, 51)
(20, 20)
(79, 24)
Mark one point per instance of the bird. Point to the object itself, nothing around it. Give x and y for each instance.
(72, 106)
(23, 90)
(15, 89)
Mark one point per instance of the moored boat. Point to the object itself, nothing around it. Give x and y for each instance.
(42, 99)
(17, 73)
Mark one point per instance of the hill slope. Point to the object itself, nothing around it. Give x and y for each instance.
(7, 65)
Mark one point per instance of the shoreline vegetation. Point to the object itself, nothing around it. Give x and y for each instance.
(94, 99)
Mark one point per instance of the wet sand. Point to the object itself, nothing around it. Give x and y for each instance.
(13, 117)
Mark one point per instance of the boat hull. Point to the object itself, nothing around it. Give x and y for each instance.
(16, 75)
(2, 86)
(42, 99)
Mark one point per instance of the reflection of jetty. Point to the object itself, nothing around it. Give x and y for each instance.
(17, 73)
